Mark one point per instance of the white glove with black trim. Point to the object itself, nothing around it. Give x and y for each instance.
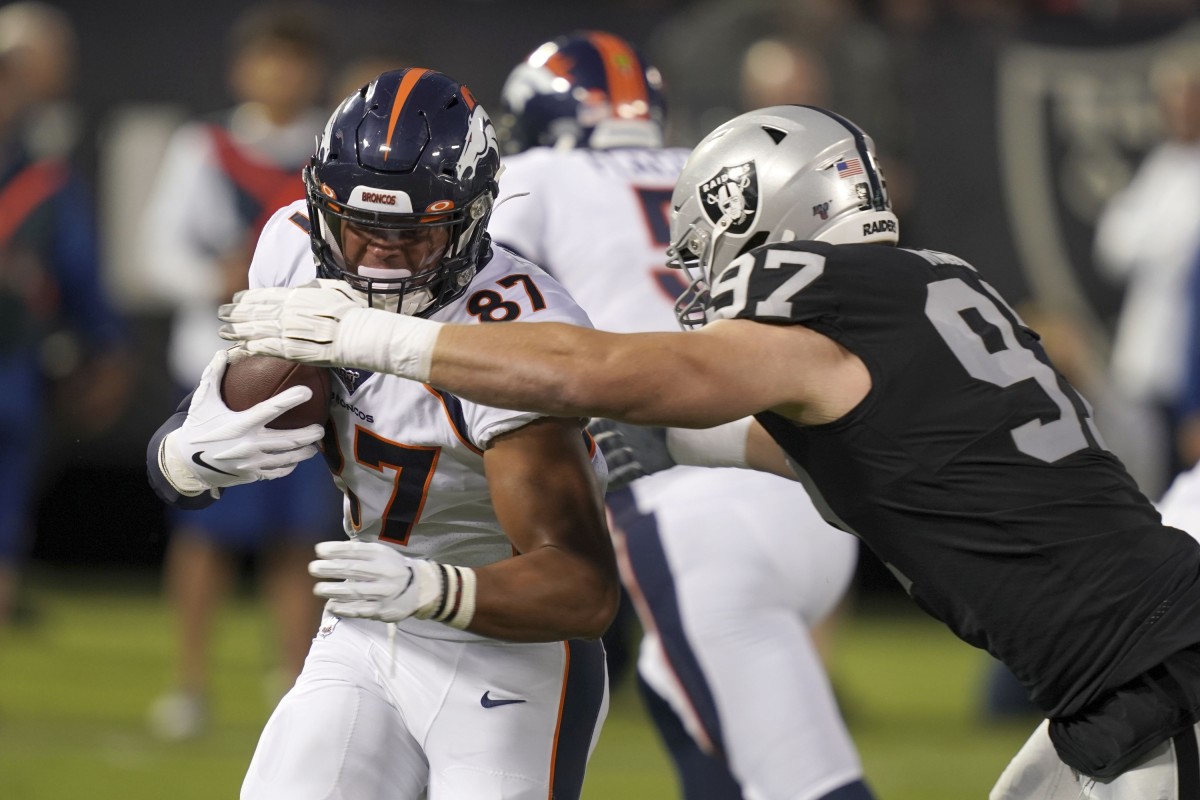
(374, 581)
(217, 447)
(327, 323)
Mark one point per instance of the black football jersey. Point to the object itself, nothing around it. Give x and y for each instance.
(974, 470)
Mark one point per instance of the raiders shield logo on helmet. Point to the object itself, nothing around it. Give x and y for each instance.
(733, 193)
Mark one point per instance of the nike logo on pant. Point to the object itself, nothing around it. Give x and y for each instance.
(488, 702)
(196, 457)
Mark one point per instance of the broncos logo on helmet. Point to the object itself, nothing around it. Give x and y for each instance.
(480, 144)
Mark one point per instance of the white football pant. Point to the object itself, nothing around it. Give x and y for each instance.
(475, 720)
(728, 569)
(1037, 773)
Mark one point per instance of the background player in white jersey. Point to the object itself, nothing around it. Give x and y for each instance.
(915, 405)
(587, 112)
(478, 533)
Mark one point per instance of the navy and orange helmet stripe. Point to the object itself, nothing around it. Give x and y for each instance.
(627, 91)
(402, 92)
(468, 97)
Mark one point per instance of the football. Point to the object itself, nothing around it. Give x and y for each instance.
(250, 379)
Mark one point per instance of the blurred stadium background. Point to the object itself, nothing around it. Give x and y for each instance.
(1005, 126)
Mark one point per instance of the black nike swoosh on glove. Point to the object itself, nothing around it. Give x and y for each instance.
(196, 457)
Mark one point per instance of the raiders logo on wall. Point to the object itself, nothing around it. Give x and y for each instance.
(1076, 119)
(732, 192)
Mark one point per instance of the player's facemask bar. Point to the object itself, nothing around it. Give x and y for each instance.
(406, 293)
(693, 253)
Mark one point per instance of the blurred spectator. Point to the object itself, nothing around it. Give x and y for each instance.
(220, 179)
(56, 324)
(703, 54)
(1188, 436)
(1148, 236)
(43, 40)
(944, 55)
(782, 69)
(777, 71)
(361, 71)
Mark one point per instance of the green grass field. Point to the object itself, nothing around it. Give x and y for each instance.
(74, 689)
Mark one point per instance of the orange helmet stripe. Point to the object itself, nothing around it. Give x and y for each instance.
(406, 86)
(559, 64)
(470, 98)
(626, 82)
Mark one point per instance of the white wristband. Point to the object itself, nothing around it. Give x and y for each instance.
(384, 341)
(182, 479)
(722, 446)
(464, 612)
(455, 602)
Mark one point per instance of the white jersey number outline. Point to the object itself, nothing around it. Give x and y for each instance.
(413, 465)
(1045, 441)
(736, 280)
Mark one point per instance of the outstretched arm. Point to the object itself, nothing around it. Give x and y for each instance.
(725, 371)
(651, 378)
(634, 451)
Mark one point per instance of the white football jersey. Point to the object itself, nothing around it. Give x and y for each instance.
(588, 213)
(409, 457)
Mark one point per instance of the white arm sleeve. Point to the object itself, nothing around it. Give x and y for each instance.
(722, 446)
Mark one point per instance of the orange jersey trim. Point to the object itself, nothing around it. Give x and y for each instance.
(642, 606)
(359, 432)
(562, 702)
(450, 418)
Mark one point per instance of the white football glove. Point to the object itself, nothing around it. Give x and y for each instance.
(217, 447)
(328, 323)
(374, 581)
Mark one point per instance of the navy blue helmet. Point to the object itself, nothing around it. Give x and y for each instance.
(407, 163)
(588, 89)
